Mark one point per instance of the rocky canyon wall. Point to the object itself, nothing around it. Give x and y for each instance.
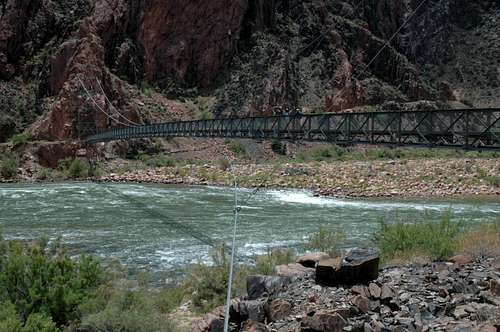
(68, 68)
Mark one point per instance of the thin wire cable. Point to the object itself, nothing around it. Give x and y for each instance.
(98, 107)
(388, 42)
(385, 45)
(233, 251)
(165, 219)
(113, 107)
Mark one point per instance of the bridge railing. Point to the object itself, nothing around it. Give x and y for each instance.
(469, 128)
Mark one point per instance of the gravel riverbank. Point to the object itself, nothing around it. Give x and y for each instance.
(396, 178)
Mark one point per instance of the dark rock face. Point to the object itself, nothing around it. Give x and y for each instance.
(359, 266)
(258, 286)
(257, 57)
(181, 46)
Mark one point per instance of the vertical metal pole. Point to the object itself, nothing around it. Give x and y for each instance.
(349, 136)
(467, 129)
(372, 128)
(231, 267)
(400, 122)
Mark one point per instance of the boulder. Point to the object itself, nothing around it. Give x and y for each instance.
(460, 259)
(259, 285)
(359, 266)
(375, 290)
(360, 290)
(362, 303)
(495, 286)
(278, 310)
(324, 320)
(294, 270)
(387, 293)
(243, 310)
(311, 259)
(211, 322)
(327, 271)
(251, 326)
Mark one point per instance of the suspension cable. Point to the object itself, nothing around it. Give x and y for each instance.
(99, 107)
(387, 43)
(233, 251)
(114, 108)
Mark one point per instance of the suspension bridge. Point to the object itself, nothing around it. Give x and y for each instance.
(464, 128)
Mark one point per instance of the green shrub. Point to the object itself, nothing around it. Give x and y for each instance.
(42, 279)
(161, 161)
(266, 264)
(124, 308)
(8, 166)
(208, 283)
(278, 147)
(45, 174)
(237, 148)
(8, 317)
(327, 241)
(433, 239)
(224, 164)
(20, 139)
(39, 323)
(78, 169)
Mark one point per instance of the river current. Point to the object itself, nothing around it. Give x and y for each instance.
(152, 226)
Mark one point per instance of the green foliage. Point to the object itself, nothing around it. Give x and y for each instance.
(8, 165)
(224, 164)
(78, 169)
(278, 147)
(39, 323)
(433, 239)
(326, 240)
(125, 308)
(493, 180)
(387, 153)
(147, 89)
(208, 283)
(20, 139)
(45, 174)
(237, 148)
(42, 279)
(265, 264)
(159, 161)
(8, 317)
(325, 153)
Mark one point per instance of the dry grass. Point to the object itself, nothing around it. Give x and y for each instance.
(481, 242)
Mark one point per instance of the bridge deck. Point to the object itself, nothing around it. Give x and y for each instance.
(468, 128)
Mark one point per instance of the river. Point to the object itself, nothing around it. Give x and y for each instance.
(151, 226)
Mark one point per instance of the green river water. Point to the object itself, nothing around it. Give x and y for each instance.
(151, 226)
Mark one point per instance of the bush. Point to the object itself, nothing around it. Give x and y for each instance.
(208, 283)
(78, 169)
(8, 166)
(481, 242)
(224, 164)
(237, 148)
(266, 264)
(278, 147)
(161, 161)
(44, 284)
(435, 240)
(125, 309)
(327, 241)
(20, 139)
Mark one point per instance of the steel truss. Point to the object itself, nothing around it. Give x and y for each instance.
(467, 128)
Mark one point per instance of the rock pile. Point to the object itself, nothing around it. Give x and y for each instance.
(462, 295)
